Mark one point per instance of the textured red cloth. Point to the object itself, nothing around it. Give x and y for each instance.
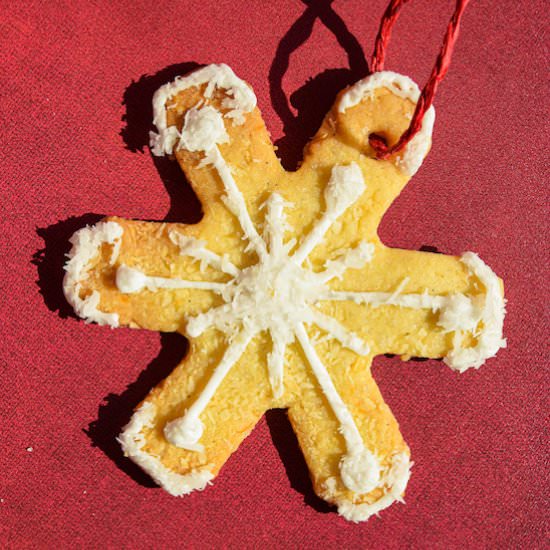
(75, 114)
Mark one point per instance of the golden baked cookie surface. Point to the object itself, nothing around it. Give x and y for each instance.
(285, 291)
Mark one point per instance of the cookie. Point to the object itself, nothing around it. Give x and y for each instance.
(284, 290)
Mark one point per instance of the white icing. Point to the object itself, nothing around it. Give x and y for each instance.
(235, 201)
(490, 314)
(347, 338)
(355, 258)
(239, 99)
(393, 483)
(195, 248)
(129, 281)
(376, 299)
(275, 363)
(345, 186)
(359, 468)
(86, 245)
(411, 157)
(360, 471)
(460, 313)
(202, 130)
(186, 431)
(132, 441)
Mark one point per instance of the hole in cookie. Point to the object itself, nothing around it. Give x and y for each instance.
(378, 141)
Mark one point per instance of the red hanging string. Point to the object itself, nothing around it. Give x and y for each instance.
(438, 72)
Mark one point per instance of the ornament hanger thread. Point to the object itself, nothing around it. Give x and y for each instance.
(383, 151)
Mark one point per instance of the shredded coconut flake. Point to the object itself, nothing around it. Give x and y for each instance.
(240, 99)
(132, 441)
(86, 245)
(412, 156)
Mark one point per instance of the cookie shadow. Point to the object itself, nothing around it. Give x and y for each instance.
(50, 260)
(291, 456)
(115, 411)
(184, 207)
(309, 104)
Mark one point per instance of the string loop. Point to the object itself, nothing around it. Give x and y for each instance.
(438, 72)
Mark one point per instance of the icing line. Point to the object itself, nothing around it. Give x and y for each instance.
(185, 432)
(359, 468)
(189, 246)
(130, 280)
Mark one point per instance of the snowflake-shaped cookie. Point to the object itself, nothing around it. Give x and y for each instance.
(284, 289)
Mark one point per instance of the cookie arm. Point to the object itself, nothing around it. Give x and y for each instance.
(382, 104)
(212, 110)
(239, 402)
(424, 305)
(104, 258)
(323, 444)
(375, 105)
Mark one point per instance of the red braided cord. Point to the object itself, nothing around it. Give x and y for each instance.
(438, 72)
(384, 33)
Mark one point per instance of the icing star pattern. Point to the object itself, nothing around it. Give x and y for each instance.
(280, 293)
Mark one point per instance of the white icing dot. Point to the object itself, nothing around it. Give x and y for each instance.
(129, 280)
(360, 471)
(203, 130)
(345, 186)
(184, 432)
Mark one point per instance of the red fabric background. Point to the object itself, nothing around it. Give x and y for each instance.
(72, 80)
